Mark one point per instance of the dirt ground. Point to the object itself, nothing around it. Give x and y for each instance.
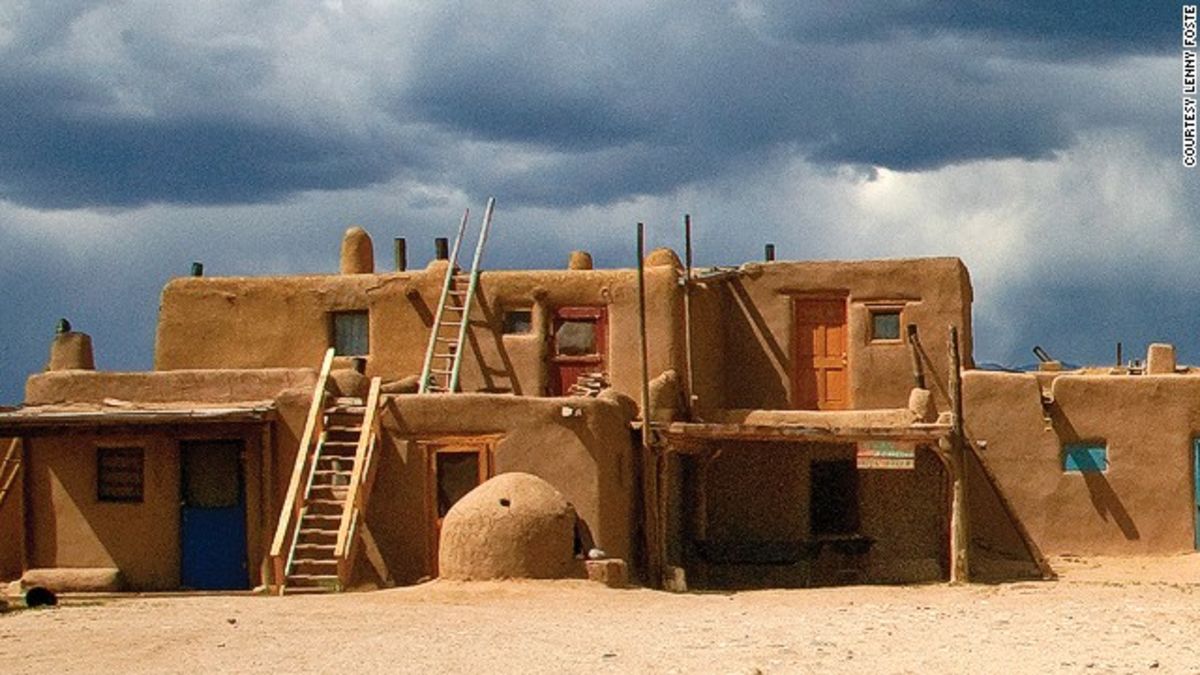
(1101, 616)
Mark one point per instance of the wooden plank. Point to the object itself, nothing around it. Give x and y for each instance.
(683, 431)
(960, 570)
(295, 499)
(374, 555)
(354, 496)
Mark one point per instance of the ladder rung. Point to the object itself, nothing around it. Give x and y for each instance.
(452, 341)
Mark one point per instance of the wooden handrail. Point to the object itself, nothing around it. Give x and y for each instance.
(9, 468)
(356, 498)
(292, 505)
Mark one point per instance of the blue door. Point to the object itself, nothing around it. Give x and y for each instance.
(1196, 490)
(213, 518)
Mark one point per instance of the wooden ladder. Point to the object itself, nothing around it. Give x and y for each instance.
(443, 356)
(322, 527)
(9, 468)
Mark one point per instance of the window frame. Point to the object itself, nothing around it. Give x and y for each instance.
(1069, 455)
(333, 330)
(504, 321)
(113, 451)
(874, 311)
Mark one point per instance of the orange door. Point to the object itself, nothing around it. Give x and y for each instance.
(578, 345)
(819, 370)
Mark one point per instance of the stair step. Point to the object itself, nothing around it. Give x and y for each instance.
(307, 590)
(313, 562)
(316, 532)
(316, 547)
(332, 518)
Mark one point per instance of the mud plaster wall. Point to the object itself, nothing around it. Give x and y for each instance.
(12, 525)
(285, 322)
(761, 492)
(755, 316)
(589, 459)
(72, 528)
(206, 386)
(1143, 504)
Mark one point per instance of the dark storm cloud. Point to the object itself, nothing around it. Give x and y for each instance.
(574, 103)
(1058, 30)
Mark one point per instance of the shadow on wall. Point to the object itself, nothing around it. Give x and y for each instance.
(754, 380)
(492, 321)
(1104, 498)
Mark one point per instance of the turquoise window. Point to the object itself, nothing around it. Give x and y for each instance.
(1085, 458)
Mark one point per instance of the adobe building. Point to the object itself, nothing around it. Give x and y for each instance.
(787, 424)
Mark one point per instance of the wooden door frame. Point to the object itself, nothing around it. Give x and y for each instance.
(842, 297)
(597, 312)
(483, 445)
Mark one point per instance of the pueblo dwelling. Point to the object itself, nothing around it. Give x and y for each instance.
(774, 424)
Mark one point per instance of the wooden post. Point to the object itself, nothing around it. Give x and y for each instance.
(687, 315)
(914, 350)
(651, 499)
(400, 249)
(960, 570)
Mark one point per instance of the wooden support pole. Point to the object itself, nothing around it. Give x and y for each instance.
(914, 350)
(687, 316)
(650, 501)
(960, 570)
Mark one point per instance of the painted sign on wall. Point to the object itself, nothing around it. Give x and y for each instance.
(885, 455)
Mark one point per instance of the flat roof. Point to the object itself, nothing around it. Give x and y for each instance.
(47, 417)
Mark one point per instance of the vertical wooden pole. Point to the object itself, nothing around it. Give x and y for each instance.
(651, 499)
(960, 570)
(400, 249)
(687, 315)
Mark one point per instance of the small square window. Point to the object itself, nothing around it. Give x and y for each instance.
(119, 474)
(517, 321)
(350, 333)
(1085, 458)
(885, 324)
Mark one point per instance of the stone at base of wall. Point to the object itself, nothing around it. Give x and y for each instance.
(75, 579)
(611, 572)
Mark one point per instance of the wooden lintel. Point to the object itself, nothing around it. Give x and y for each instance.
(679, 434)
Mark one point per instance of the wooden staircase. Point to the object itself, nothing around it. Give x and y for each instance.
(443, 356)
(323, 526)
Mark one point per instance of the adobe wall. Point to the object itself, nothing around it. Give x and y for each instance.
(760, 492)
(72, 528)
(588, 458)
(753, 315)
(1143, 503)
(12, 524)
(285, 322)
(192, 386)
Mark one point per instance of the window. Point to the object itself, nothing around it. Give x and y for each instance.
(1091, 457)
(119, 474)
(518, 321)
(833, 499)
(350, 333)
(885, 324)
(575, 337)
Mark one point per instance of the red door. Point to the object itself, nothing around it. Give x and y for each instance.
(819, 354)
(578, 346)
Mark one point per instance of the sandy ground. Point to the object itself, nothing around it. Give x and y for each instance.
(1101, 616)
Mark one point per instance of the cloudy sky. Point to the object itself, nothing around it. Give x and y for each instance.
(1039, 143)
